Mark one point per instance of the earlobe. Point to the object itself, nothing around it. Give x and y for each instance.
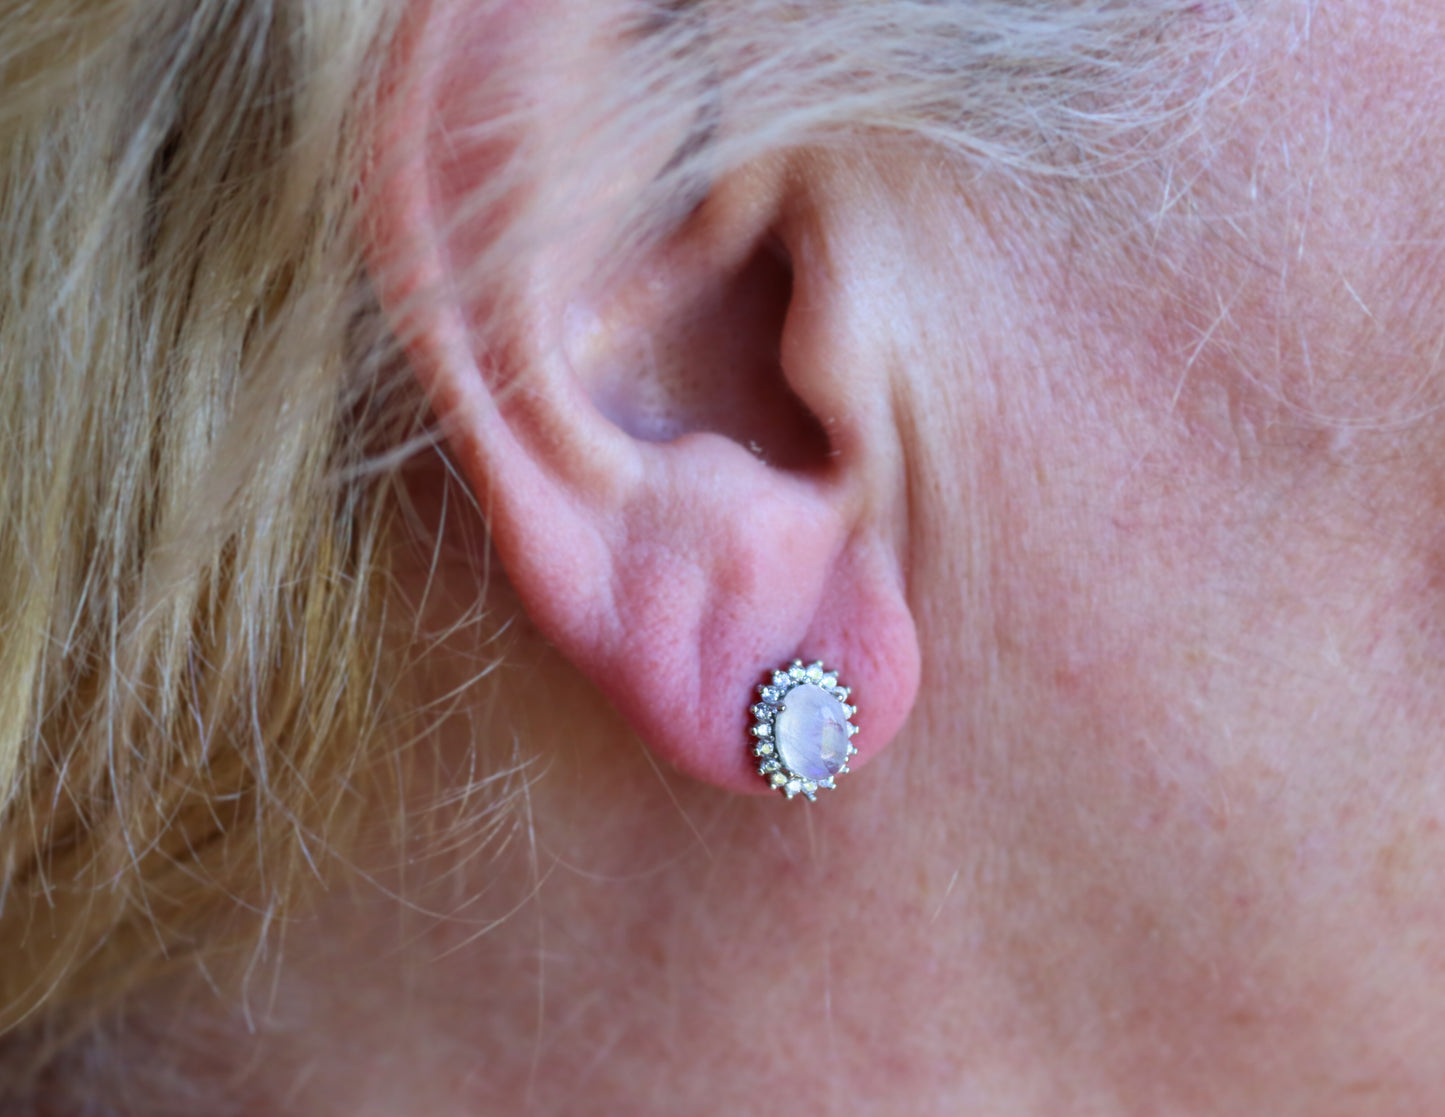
(679, 507)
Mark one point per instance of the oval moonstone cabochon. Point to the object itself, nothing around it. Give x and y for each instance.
(811, 732)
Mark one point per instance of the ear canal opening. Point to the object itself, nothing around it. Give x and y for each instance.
(713, 363)
(776, 424)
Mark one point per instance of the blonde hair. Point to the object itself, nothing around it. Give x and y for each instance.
(199, 415)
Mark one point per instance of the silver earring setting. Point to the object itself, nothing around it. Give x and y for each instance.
(802, 729)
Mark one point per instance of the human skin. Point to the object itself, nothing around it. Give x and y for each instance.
(1164, 832)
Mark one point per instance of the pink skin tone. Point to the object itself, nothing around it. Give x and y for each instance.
(676, 572)
(1158, 499)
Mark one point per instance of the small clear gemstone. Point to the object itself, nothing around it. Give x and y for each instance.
(777, 779)
(793, 787)
(769, 693)
(815, 674)
(763, 749)
(781, 680)
(797, 672)
(812, 733)
(763, 730)
(828, 682)
(764, 713)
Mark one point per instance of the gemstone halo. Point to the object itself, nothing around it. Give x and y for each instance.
(802, 731)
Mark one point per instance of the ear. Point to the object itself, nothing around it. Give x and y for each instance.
(688, 460)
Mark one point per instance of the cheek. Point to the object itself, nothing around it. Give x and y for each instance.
(1197, 705)
(1220, 827)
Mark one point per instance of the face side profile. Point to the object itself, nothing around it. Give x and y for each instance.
(1112, 497)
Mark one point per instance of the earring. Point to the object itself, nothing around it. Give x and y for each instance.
(802, 729)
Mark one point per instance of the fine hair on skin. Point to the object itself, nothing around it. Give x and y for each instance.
(205, 423)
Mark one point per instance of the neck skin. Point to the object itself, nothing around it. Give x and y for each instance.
(1164, 833)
